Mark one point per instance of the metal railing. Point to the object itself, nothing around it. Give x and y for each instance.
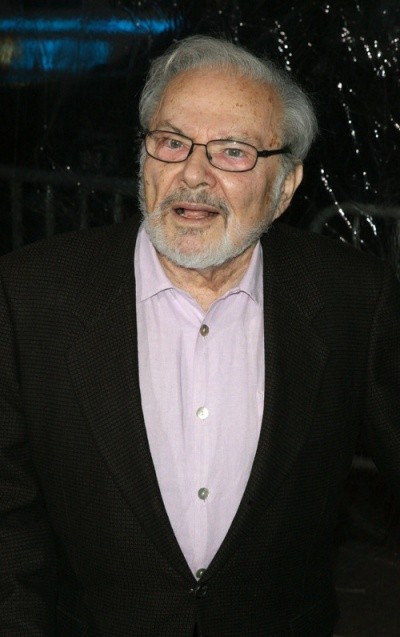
(355, 217)
(81, 187)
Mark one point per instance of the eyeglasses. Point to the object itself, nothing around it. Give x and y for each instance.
(225, 154)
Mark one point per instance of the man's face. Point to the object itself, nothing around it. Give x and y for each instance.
(197, 215)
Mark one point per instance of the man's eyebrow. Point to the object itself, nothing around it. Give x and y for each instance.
(237, 138)
(166, 124)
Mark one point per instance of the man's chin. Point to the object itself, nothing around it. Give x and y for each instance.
(191, 260)
(199, 258)
(185, 250)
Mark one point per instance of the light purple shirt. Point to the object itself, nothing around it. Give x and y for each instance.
(202, 390)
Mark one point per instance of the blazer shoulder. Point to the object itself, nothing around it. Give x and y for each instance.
(70, 256)
(307, 266)
(322, 256)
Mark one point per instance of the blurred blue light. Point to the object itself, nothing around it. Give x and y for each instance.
(62, 55)
(37, 45)
(85, 25)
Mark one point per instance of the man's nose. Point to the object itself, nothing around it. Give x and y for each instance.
(196, 169)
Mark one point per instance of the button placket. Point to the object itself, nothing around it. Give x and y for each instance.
(201, 423)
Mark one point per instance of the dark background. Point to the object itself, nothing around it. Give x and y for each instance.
(70, 75)
(67, 105)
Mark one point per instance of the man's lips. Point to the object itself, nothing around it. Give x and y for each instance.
(195, 211)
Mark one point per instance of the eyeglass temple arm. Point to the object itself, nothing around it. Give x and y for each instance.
(276, 151)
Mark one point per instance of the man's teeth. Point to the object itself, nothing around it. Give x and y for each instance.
(182, 212)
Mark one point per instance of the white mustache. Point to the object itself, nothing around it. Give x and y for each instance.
(198, 198)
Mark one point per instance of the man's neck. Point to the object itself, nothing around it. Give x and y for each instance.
(208, 285)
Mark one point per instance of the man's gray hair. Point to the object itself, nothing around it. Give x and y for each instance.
(299, 124)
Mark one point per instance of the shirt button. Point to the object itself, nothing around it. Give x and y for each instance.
(204, 330)
(202, 413)
(200, 572)
(203, 493)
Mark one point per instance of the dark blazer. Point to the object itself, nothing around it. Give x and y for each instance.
(86, 547)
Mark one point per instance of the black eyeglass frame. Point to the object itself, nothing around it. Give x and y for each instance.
(285, 150)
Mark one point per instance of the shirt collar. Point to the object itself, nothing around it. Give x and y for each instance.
(252, 281)
(151, 278)
(149, 273)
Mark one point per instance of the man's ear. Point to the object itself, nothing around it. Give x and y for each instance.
(289, 187)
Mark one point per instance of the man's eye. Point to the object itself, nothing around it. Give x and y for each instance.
(235, 153)
(172, 144)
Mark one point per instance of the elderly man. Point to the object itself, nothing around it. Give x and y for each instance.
(180, 401)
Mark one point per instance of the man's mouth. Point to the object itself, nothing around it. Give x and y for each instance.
(195, 211)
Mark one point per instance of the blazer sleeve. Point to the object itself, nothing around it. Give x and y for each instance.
(27, 562)
(382, 416)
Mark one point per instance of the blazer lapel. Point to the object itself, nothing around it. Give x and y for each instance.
(295, 358)
(103, 368)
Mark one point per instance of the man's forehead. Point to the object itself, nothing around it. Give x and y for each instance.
(224, 77)
(221, 93)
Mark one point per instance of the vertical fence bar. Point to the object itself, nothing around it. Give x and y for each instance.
(83, 209)
(118, 212)
(396, 248)
(355, 231)
(17, 236)
(49, 211)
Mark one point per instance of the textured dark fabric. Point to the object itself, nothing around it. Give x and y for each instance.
(86, 547)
